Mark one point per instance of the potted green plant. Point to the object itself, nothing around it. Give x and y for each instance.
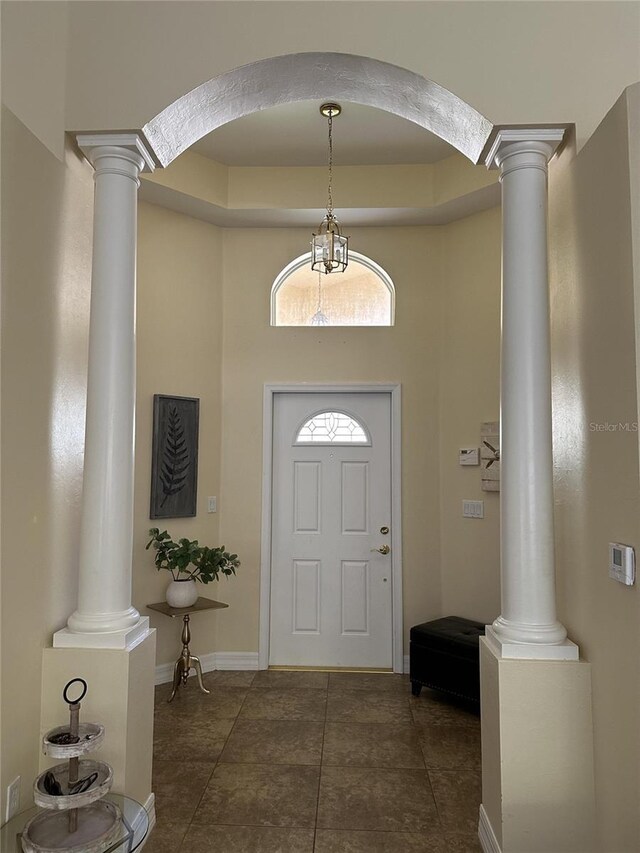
(188, 562)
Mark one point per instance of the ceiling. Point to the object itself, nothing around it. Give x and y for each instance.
(295, 134)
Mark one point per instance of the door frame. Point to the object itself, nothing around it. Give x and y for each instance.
(394, 391)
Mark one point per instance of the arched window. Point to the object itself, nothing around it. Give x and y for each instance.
(332, 428)
(363, 295)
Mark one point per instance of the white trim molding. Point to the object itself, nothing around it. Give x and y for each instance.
(89, 142)
(487, 836)
(150, 808)
(547, 136)
(270, 390)
(211, 662)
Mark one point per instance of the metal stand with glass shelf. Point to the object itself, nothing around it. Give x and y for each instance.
(73, 812)
(129, 832)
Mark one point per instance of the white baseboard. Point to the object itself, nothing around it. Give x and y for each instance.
(487, 836)
(405, 664)
(236, 660)
(150, 808)
(210, 662)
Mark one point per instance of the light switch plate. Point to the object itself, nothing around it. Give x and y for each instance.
(473, 509)
(212, 504)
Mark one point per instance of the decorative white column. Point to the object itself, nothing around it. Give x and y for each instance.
(528, 627)
(104, 615)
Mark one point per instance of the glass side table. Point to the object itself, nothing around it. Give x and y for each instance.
(186, 661)
(134, 827)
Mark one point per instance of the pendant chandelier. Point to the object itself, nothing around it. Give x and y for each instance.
(329, 249)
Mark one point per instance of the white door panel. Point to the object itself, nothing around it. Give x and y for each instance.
(330, 592)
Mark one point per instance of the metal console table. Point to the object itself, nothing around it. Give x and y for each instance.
(186, 661)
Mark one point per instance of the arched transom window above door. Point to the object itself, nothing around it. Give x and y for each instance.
(330, 427)
(362, 295)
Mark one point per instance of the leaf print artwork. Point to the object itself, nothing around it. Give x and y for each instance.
(175, 457)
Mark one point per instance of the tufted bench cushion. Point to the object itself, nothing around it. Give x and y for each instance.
(444, 654)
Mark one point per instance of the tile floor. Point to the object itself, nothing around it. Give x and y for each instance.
(313, 762)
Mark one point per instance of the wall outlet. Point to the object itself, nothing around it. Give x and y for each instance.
(212, 504)
(13, 798)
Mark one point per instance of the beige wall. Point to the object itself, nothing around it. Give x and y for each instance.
(46, 250)
(516, 63)
(179, 346)
(469, 395)
(443, 349)
(597, 496)
(35, 91)
(255, 353)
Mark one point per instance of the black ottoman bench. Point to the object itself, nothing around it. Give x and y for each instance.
(445, 655)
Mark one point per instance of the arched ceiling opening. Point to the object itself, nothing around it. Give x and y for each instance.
(307, 76)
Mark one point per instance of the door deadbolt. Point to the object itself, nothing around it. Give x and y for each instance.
(384, 530)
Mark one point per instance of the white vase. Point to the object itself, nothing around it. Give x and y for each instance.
(182, 593)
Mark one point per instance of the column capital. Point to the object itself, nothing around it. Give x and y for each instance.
(129, 142)
(535, 140)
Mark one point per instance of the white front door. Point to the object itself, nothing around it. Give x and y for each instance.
(331, 596)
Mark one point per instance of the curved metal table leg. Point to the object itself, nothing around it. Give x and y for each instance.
(177, 678)
(195, 663)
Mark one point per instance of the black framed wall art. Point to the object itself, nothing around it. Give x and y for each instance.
(174, 463)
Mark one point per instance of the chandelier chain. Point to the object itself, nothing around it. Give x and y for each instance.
(330, 189)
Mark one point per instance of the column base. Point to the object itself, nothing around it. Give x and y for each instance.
(124, 639)
(503, 648)
(120, 696)
(99, 623)
(506, 647)
(537, 755)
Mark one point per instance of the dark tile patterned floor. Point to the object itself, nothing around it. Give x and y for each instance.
(313, 762)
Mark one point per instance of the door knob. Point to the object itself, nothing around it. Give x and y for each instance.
(383, 549)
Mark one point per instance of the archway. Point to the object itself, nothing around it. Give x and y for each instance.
(528, 631)
(307, 76)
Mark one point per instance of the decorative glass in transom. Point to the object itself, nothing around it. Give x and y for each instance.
(332, 428)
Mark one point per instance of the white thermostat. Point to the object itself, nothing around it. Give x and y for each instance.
(469, 456)
(622, 563)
